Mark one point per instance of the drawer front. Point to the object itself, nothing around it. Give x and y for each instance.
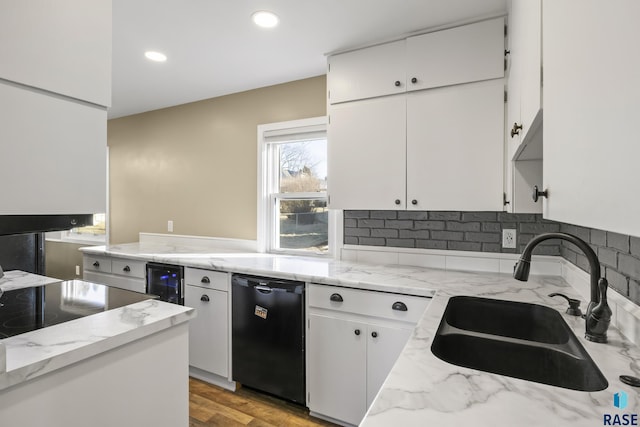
(129, 268)
(406, 308)
(96, 263)
(207, 278)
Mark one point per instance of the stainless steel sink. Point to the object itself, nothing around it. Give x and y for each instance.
(520, 340)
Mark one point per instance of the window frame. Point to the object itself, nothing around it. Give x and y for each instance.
(268, 226)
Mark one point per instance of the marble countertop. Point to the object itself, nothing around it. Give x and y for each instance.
(422, 389)
(36, 353)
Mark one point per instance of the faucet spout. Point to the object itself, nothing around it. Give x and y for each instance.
(598, 312)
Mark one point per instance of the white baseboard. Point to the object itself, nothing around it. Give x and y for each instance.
(200, 241)
(212, 378)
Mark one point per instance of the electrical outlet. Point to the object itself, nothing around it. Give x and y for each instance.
(77, 270)
(170, 226)
(509, 238)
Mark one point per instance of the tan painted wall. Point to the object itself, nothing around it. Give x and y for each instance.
(61, 258)
(196, 164)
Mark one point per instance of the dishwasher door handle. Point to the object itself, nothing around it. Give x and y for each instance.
(264, 289)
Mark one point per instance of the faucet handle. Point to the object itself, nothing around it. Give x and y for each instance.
(574, 304)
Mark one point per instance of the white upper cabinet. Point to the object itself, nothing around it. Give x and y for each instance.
(54, 160)
(525, 74)
(591, 104)
(524, 106)
(367, 152)
(459, 55)
(438, 145)
(61, 47)
(455, 147)
(367, 73)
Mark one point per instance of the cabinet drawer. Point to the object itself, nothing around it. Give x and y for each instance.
(96, 263)
(207, 278)
(129, 268)
(368, 303)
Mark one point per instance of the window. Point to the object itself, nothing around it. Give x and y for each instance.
(90, 233)
(293, 216)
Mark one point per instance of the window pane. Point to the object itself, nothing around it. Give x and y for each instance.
(304, 224)
(303, 166)
(98, 228)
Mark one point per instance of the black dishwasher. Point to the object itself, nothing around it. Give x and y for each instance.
(268, 335)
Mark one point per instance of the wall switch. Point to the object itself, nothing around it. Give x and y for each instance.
(170, 226)
(77, 270)
(509, 238)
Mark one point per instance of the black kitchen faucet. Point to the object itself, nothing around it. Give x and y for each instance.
(598, 312)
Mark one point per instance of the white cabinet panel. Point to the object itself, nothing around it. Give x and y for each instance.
(337, 368)
(383, 348)
(367, 73)
(463, 54)
(591, 101)
(62, 47)
(367, 152)
(455, 147)
(209, 330)
(54, 154)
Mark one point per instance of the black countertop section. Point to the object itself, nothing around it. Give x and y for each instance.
(28, 309)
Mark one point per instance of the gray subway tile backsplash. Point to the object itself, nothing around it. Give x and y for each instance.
(482, 232)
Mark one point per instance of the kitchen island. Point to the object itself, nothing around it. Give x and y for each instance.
(122, 366)
(422, 389)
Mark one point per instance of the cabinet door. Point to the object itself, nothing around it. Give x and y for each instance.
(591, 101)
(459, 55)
(337, 355)
(62, 47)
(54, 154)
(367, 154)
(455, 147)
(209, 330)
(367, 73)
(383, 348)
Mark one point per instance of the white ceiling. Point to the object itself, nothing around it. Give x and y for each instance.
(214, 49)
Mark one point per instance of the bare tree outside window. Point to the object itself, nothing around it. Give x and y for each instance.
(303, 220)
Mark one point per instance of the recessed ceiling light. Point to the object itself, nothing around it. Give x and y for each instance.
(265, 19)
(155, 56)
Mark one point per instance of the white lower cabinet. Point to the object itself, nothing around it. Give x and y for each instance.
(337, 372)
(119, 272)
(207, 292)
(354, 338)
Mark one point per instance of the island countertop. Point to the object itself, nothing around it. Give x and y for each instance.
(32, 354)
(422, 389)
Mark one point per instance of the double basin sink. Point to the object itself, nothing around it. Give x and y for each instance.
(520, 340)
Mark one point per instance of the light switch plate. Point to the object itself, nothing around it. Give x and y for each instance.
(509, 238)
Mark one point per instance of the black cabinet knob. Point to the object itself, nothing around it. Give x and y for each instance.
(357, 332)
(336, 297)
(374, 334)
(205, 279)
(414, 80)
(397, 201)
(96, 264)
(537, 193)
(414, 202)
(397, 83)
(204, 298)
(399, 306)
(516, 130)
(126, 269)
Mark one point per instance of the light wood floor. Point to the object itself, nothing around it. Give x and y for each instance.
(210, 405)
